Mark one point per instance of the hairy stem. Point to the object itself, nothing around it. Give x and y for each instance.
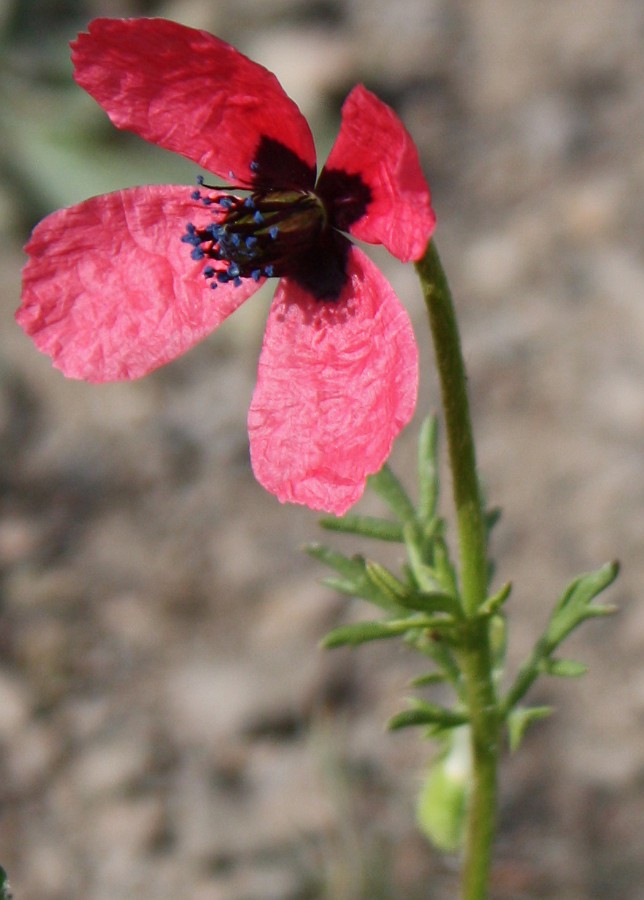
(474, 655)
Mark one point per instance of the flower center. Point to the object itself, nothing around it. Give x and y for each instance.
(258, 236)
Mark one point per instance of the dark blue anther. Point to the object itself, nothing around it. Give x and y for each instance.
(233, 270)
(268, 271)
(197, 253)
(199, 179)
(254, 166)
(256, 274)
(226, 202)
(273, 231)
(213, 285)
(196, 195)
(190, 237)
(237, 281)
(249, 203)
(208, 272)
(250, 241)
(258, 218)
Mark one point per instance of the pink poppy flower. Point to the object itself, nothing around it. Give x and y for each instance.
(123, 283)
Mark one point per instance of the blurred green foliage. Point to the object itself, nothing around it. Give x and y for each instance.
(59, 147)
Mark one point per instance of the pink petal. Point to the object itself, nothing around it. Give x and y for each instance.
(111, 292)
(189, 92)
(374, 144)
(336, 383)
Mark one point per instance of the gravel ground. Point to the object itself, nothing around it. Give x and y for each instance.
(168, 726)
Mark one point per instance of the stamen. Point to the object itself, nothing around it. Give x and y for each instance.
(258, 236)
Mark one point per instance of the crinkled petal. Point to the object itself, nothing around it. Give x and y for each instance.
(374, 145)
(189, 92)
(110, 291)
(336, 383)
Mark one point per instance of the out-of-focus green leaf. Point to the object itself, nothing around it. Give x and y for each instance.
(387, 486)
(361, 632)
(520, 718)
(48, 143)
(423, 713)
(5, 891)
(565, 668)
(428, 482)
(442, 802)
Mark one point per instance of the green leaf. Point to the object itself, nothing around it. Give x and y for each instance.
(429, 679)
(420, 554)
(354, 580)
(496, 601)
(441, 653)
(387, 486)
(423, 713)
(442, 802)
(428, 481)
(361, 632)
(5, 891)
(345, 565)
(574, 607)
(429, 602)
(492, 516)
(341, 585)
(386, 582)
(433, 602)
(498, 632)
(520, 718)
(365, 526)
(445, 570)
(564, 668)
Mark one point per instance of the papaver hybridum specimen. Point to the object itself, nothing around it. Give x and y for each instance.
(125, 282)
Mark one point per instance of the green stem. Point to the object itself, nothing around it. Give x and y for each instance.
(474, 655)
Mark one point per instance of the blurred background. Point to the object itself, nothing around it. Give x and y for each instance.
(168, 726)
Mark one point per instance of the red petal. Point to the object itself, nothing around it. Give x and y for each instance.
(374, 144)
(189, 92)
(111, 292)
(336, 383)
